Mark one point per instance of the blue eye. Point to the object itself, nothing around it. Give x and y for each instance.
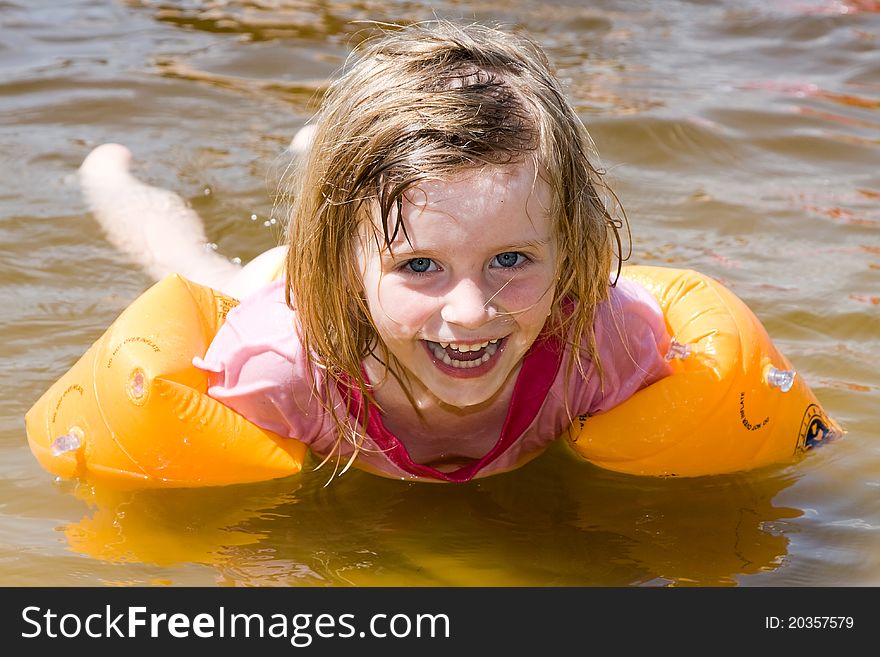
(509, 259)
(420, 265)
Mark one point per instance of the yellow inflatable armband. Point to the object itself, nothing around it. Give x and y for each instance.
(733, 402)
(134, 410)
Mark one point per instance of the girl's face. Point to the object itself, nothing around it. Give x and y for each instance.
(460, 302)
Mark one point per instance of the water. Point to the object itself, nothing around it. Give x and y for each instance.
(742, 138)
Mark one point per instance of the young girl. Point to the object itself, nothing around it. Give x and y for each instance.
(450, 301)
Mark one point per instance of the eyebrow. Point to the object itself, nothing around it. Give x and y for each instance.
(405, 248)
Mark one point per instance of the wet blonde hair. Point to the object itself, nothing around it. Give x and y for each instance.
(426, 102)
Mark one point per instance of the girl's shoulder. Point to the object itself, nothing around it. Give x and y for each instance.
(631, 344)
(257, 366)
(261, 325)
(629, 302)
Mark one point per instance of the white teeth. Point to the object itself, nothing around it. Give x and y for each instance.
(439, 351)
(465, 347)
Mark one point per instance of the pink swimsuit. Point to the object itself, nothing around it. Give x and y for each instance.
(258, 368)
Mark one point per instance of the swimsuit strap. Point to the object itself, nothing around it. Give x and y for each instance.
(539, 368)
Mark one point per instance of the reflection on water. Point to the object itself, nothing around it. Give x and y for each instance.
(742, 139)
(557, 522)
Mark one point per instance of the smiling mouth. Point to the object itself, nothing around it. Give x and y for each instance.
(464, 356)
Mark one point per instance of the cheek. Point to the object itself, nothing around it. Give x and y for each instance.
(399, 311)
(530, 297)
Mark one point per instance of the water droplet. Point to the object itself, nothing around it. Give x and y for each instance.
(236, 260)
(253, 217)
(207, 191)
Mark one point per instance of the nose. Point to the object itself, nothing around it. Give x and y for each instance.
(467, 305)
